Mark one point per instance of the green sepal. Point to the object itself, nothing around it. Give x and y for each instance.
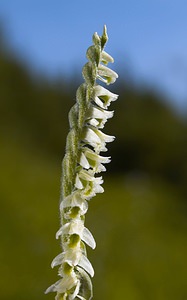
(66, 184)
(82, 101)
(72, 142)
(68, 177)
(89, 73)
(96, 39)
(93, 54)
(73, 115)
(104, 37)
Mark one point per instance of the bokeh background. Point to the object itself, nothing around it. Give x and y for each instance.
(140, 222)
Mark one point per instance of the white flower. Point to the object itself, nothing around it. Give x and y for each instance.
(86, 265)
(96, 157)
(89, 159)
(88, 183)
(77, 227)
(106, 75)
(64, 284)
(98, 117)
(73, 257)
(92, 188)
(90, 137)
(86, 175)
(78, 183)
(75, 200)
(106, 58)
(96, 138)
(103, 97)
(93, 163)
(93, 122)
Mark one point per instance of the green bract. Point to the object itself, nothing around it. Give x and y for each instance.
(81, 164)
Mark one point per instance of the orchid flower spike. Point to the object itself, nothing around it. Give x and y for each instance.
(81, 163)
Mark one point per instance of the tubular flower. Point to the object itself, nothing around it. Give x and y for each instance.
(81, 164)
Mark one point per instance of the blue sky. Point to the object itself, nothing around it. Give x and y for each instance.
(146, 37)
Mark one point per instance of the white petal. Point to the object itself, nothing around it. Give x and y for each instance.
(106, 74)
(57, 260)
(80, 297)
(59, 233)
(100, 168)
(104, 137)
(96, 160)
(83, 161)
(53, 287)
(98, 113)
(99, 189)
(104, 159)
(86, 290)
(63, 230)
(92, 188)
(66, 202)
(101, 91)
(95, 157)
(76, 291)
(86, 175)
(95, 113)
(78, 183)
(109, 114)
(66, 283)
(76, 227)
(73, 200)
(99, 180)
(106, 96)
(93, 122)
(106, 58)
(73, 227)
(90, 136)
(86, 265)
(88, 238)
(98, 102)
(97, 138)
(72, 256)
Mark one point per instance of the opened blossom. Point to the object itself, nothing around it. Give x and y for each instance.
(81, 165)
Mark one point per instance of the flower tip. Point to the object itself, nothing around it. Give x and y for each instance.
(104, 37)
(105, 30)
(50, 289)
(96, 38)
(46, 291)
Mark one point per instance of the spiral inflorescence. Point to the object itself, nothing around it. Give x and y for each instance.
(81, 164)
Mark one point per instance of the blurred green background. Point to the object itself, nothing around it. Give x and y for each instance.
(139, 223)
